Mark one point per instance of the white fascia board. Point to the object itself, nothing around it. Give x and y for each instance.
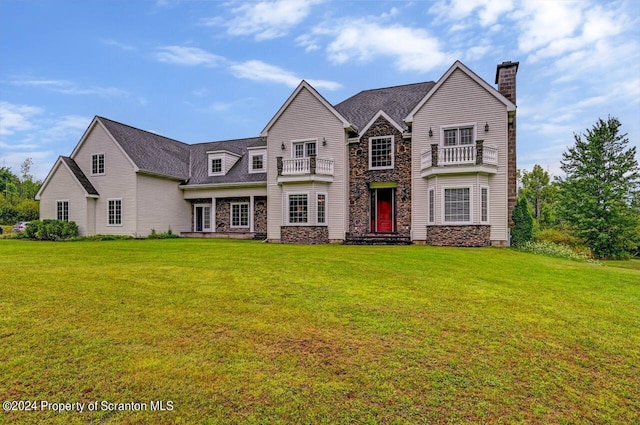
(221, 185)
(383, 114)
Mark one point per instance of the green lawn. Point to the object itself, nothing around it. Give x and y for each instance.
(247, 332)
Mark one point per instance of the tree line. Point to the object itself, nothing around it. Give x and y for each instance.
(17, 194)
(595, 205)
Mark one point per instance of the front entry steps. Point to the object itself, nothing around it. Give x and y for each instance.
(378, 239)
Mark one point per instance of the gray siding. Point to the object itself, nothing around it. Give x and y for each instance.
(161, 206)
(118, 182)
(307, 118)
(459, 100)
(64, 187)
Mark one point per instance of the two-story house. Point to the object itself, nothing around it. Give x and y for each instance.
(431, 162)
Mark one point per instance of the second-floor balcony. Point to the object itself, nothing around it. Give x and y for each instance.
(305, 169)
(459, 159)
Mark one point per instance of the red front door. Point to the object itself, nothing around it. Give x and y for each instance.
(385, 223)
(382, 213)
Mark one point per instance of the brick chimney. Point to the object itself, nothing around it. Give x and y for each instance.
(506, 81)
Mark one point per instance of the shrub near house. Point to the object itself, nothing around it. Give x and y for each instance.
(51, 230)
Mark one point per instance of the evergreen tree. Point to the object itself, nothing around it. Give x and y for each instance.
(522, 231)
(596, 196)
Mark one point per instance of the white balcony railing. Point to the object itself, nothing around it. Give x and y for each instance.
(459, 155)
(301, 166)
(291, 167)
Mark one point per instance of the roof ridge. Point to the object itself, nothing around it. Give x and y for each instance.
(140, 129)
(394, 87)
(228, 140)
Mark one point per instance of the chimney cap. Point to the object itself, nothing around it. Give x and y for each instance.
(505, 64)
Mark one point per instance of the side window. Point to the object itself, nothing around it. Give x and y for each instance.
(97, 164)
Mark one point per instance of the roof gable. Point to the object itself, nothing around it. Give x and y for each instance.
(304, 86)
(384, 115)
(396, 102)
(457, 65)
(76, 172)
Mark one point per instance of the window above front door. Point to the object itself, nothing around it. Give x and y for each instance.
(304, 149)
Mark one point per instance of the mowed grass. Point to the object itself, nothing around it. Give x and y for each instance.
(247, 332)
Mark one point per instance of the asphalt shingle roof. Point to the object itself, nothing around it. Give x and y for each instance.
(239, 173)
(396, 102)
(151, 152)
(77, 172)
(160, 155)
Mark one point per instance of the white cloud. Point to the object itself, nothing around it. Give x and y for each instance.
(16, 118)
(265, 20)
(412, 49)
(183, 55)
(259, 71)
(69, 87)
(488, 11)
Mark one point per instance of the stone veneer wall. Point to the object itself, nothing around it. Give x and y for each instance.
(260, 214)
(360, 177)
(476, 235)
(506, 81)
(223, 214)
(304, 234)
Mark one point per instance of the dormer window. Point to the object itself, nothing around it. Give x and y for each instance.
(220, 162)
(216, 166)
(381, 153)
(257, 160)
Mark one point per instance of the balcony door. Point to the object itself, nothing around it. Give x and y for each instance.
(383, 210)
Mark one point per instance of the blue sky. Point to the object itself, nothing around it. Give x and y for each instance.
(198, 70)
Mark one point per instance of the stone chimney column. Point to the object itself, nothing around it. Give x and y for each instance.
(506, 81)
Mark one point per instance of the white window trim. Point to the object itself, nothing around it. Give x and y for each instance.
(326, 209)
(231, 215)
(393, 153)
(457, 223)
(488, 220)
(431, 206)
(204, 229)
(263, 154)
(121, 212)
(68, 209)
(288, 205)
(104, 160)
(305, 141)
(457, 127)
(211, 157)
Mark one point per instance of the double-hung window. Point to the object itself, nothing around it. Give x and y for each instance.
(484, 204)
(298, 208)
(321, 212)
(432, 206)
(97, 164)
(457, 205)
(114, 212)
(240, 214)
(257, 163)
(381, 152)
(458, 136)
(304, 149)
(62, 208)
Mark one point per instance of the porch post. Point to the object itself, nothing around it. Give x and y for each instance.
(251, 220)
(213, 214)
